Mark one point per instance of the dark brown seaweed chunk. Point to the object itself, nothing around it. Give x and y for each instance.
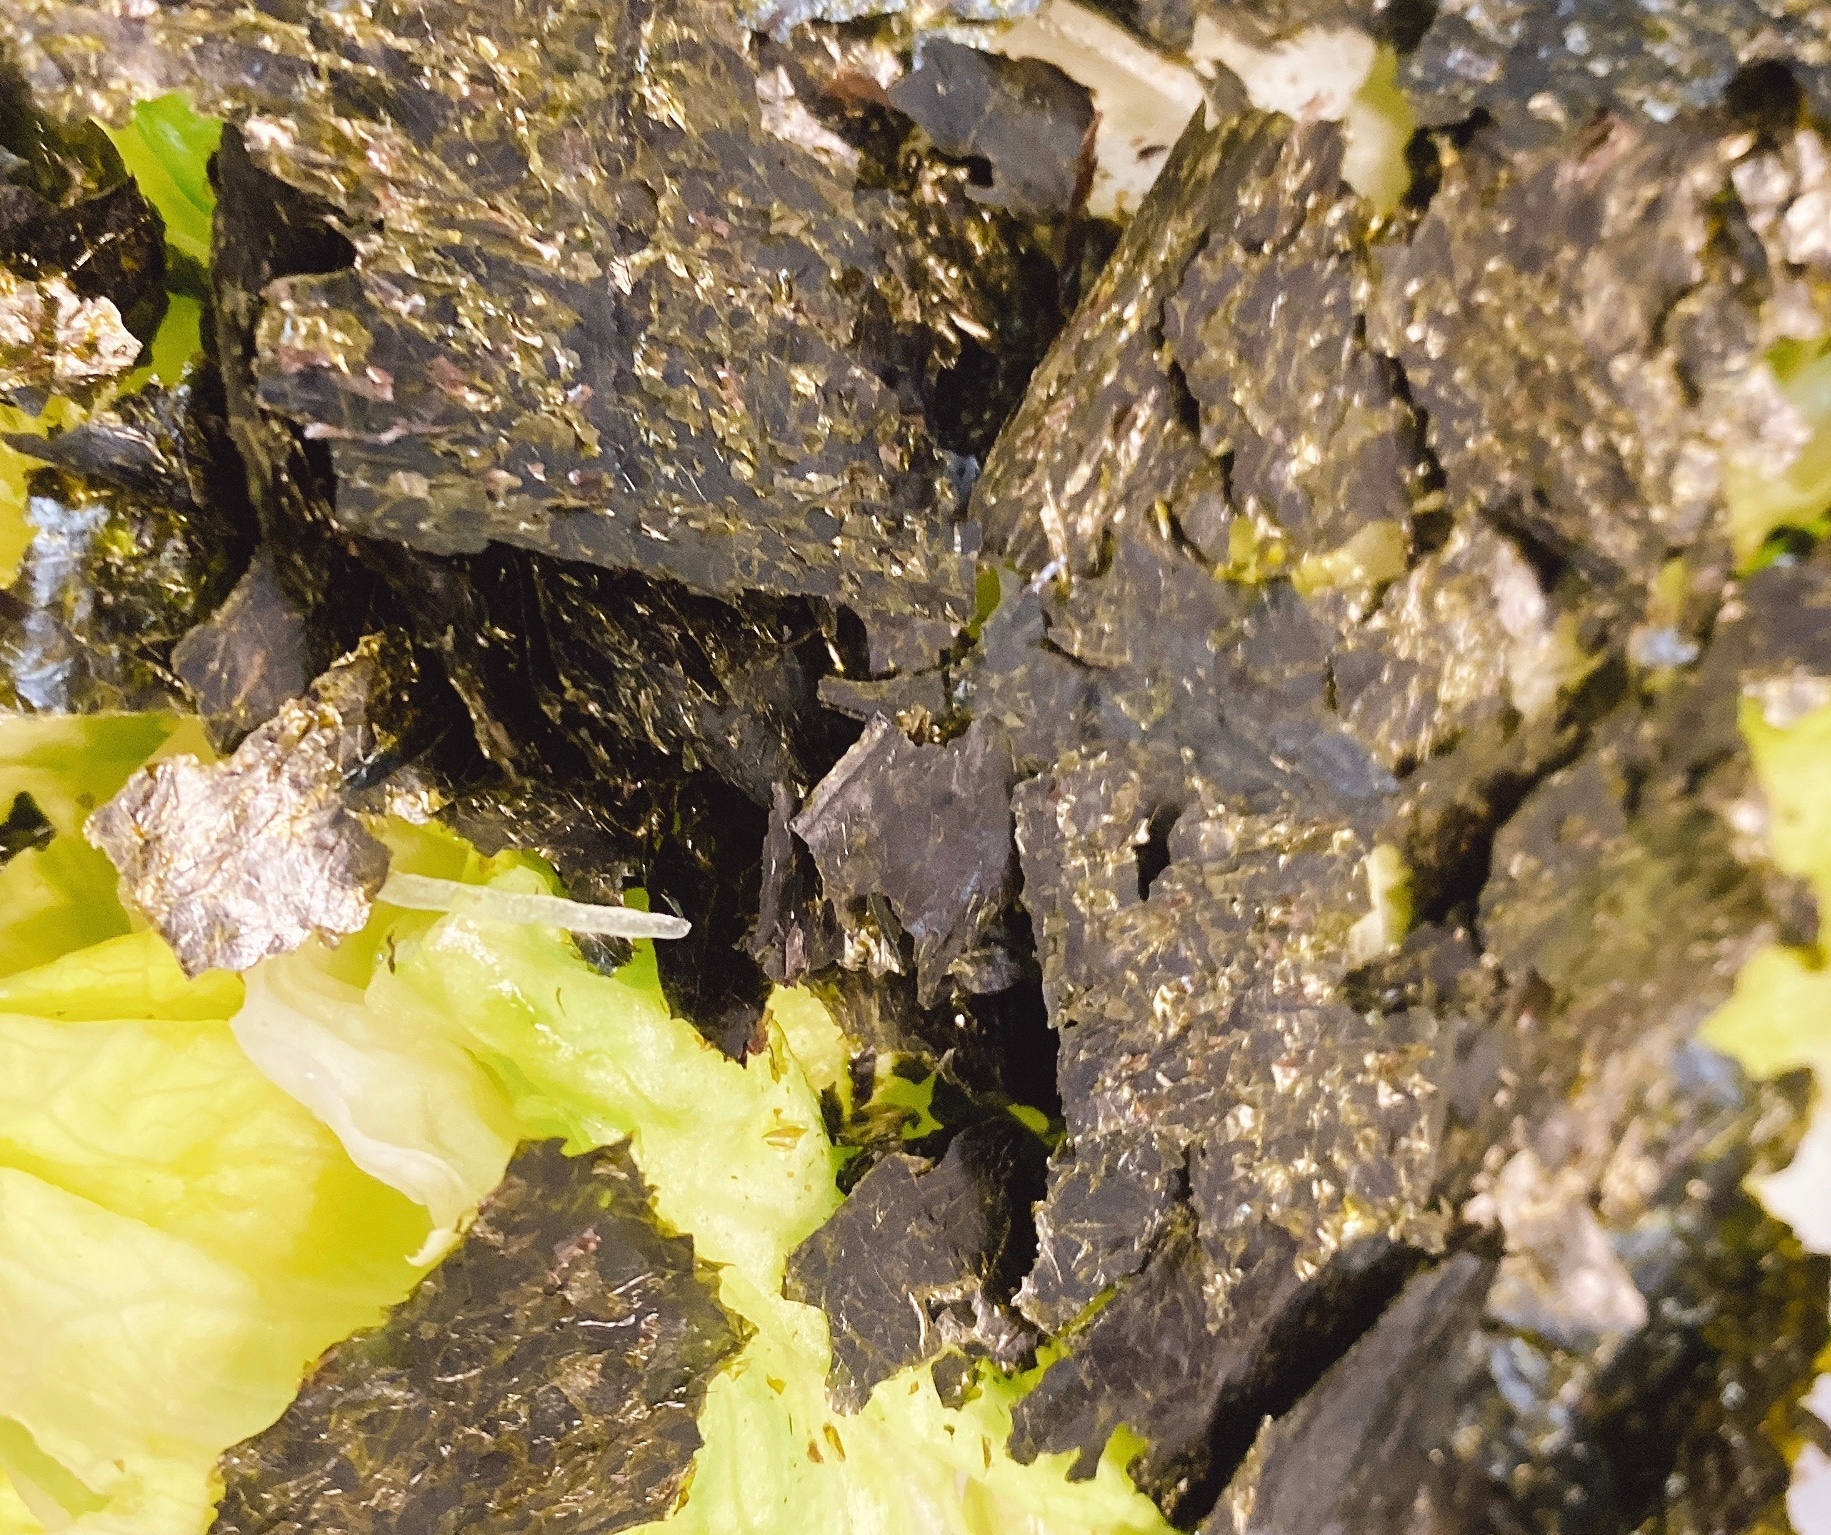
(1539, 69)
(1352, 1454)
(926, 829)
(545, 1376)
(247, 659)
(1025, 118)
(923, 1258)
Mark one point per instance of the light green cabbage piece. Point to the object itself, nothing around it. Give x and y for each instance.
(1762, 500)
(1779, 1016)
(178, 1241)
(738, 1157)
(166, 147)
(61, 897)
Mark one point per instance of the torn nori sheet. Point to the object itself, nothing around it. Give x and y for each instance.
(247, 659)
(252, 856)
(546, 1375)
(944, 873)
(136, 537)
(1025, 118)
(922, 1258)
(1540, 70)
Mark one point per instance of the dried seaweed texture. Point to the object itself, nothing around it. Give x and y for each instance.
(1253, 443)
(1026, 119)
(1102, 435)
(1172, 22)
(1195, 947)
(1608, 296)
(24, 829)
(1467, 639)
(1538, 70)
(1354, 1452)
(251, 856)
(1156, 1356)
(247, 659)
(1621, 904)
(73, 223)
(687, 379)
(924, 831)
(134, 542)
(1265, 328)
(546, 1376)
(649, 669)
(922, 1258)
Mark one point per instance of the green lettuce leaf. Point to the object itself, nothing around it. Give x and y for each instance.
(1779, 1016)
(178, 1241)
(62, 896)
(166, 147)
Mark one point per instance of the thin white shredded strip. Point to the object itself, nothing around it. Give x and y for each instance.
(421, 892)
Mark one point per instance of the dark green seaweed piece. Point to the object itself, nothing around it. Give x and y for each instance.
(247, 658)
(133, 544)
(623, 323)
(24, 830)
(923, 1257)
(1352, 1454)
(1538, 69)
(1618, 291)
(1026, 119)
(925, 828)
(545, 1376)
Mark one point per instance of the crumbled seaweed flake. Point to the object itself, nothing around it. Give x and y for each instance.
(247, 659)
(922, 1258)
(251, 856)
(1585, 253)
(132, 545)
(928, 829)
(54, 339)
(547, 1375)
(1540, 69)
(1027, 119)
(25, 829)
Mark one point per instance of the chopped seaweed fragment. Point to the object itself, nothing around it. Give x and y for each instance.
(922, 1258)
(25, 828)
(547, 1375)
(249, 857)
